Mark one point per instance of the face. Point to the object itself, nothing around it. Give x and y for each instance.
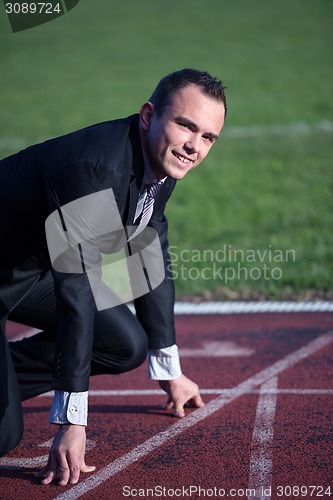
(178, 140)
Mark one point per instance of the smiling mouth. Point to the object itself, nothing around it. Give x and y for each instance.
(182, 158)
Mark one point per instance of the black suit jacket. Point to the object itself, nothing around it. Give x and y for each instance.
(37, 181)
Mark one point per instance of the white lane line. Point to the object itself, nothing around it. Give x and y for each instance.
(195, 417)
(159, 392)
(216, 348)
(7, 463)
(261, 461)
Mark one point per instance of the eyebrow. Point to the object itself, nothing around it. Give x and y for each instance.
(182, 119)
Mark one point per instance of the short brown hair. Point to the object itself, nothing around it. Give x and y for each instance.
(174, 82)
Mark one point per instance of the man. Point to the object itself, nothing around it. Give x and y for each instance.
(52, 198)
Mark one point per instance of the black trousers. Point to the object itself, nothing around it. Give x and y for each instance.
(26, 366)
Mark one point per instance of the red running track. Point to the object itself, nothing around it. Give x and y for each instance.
(265, 432)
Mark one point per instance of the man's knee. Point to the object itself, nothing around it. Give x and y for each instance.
(136, 355)
(120, 359)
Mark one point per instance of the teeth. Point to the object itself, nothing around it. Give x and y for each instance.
(182, 159)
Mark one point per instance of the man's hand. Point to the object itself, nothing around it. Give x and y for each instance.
(181, 391)
(66, 458)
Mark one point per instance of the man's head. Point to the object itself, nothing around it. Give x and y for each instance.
(168, 87)
(181, 121)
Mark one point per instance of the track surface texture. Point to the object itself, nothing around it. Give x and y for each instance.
(265, 431)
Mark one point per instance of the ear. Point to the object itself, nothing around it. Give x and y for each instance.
(147, 112)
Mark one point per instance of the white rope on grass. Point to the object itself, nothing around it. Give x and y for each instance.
(232, 132)
(241, 307)
(295, 128)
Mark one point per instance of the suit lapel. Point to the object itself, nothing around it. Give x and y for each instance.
(164, 194)
(134, 191)
(136, 175)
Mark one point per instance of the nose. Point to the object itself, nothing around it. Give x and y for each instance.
(192, 144)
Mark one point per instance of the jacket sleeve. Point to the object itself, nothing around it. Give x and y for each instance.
(155, 310)
(81, 208)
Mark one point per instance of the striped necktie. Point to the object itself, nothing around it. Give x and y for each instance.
(148, 207)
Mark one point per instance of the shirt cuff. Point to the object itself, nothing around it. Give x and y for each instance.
(164, 364)
(69, 408)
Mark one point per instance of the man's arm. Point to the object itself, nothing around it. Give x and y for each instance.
(164, 366)
(155, 311)
(68, 226)
(78, 219)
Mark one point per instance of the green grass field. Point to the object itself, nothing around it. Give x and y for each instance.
(256, 219)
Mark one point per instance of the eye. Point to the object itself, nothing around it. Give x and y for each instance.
(208, 138)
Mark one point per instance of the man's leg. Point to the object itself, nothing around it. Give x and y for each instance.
(120, 343)
(14, 285)
(33, 356)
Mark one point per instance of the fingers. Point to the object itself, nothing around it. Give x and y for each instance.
(59, 467)
(49, 472)
(182, 393)
(50, 476)
(87, 468)
(179, 410)
(169, 404)
(84, 467)
(179, 405)
(197, 401)
(67, 474)
(194, 402)
(67, 457)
